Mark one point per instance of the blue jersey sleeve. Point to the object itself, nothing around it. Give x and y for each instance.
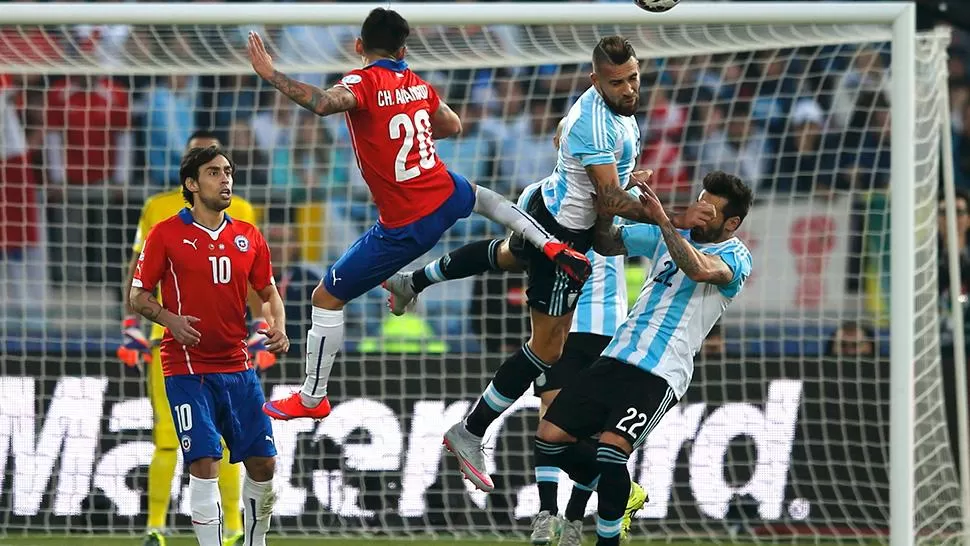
(592, 138)
(738, 259)
(640, 239)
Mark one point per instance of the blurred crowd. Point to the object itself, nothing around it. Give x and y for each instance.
(79, 154)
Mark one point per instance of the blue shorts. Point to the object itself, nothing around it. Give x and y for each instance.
(382, 252)
(227, 405)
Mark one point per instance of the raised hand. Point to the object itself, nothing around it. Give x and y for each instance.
(698, 214)
(261, 60)
(651, 204)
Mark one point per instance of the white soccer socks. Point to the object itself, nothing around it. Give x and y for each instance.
(499, 209)
(206, 510)
(323, 341)
(258, 501)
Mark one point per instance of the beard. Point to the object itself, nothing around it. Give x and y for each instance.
(708, 234)
(216, 203)
(622, 109)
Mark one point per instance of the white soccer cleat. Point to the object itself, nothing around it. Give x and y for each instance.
(545, 528)
(403, 296)
(467, 448)
(571, 533)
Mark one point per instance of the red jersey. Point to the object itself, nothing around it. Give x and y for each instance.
(390, 130)
(205, 274)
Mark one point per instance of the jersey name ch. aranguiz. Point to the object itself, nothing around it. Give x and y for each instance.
(591, 135)
(673, 314)
(390, 130)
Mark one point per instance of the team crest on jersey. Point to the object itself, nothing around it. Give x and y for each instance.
(351, 79)
(242, 243)
(186, 443)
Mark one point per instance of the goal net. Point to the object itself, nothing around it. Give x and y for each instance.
(786, 427)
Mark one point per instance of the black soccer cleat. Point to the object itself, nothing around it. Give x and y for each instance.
(575, 265)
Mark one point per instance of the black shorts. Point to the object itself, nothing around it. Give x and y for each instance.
(550, 290)
(611, 396)
(580, 352)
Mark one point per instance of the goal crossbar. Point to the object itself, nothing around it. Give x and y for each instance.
(546, 13)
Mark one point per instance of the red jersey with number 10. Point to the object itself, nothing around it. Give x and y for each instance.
(205, 273)
(390, 131)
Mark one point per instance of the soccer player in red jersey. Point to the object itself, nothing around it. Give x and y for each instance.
(394, 117)
(205, 262)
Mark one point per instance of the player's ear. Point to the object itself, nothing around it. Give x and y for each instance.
(401, 53)
(359, 46)
(732, 223)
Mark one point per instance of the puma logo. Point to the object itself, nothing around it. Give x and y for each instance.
(192, 242)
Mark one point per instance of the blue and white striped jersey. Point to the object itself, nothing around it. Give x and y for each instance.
(602, 304)
(592, 135)
(673, 314)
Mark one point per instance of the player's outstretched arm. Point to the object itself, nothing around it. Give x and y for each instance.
(698, 267)
(320, 102)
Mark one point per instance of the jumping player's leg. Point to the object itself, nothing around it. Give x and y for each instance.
(373, 258)
(193, 410)
(512, 378)
(499, 209)
(468, 261)
(161, 469)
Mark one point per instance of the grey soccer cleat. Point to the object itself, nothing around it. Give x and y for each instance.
(403, 297)
(545, 528)
(571, 533)
(467, 448)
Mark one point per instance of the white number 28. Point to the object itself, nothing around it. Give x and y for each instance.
(420, 128)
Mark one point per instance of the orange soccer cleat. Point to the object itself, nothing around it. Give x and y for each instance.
(575, 264)
(292, 407)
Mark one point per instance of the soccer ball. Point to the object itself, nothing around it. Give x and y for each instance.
(656, 6)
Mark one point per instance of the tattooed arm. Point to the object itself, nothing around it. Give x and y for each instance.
(608, 237)
(314, 99)
(698, 267)
(144, 303)
(611, 200)
(320, 102)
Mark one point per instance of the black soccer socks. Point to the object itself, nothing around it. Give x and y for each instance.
(470, 260)
(613, 489)
(508, 384)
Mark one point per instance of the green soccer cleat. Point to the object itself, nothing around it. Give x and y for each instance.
(638, 497)
(237, 539)
(154, 538)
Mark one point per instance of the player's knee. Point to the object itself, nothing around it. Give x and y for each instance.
(260, 469)
(507, 260)
(206, 468)
(548, 432)
(325, 300)
(615, 440)
(549, 350)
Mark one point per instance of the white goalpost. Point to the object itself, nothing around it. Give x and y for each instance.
(837, 112)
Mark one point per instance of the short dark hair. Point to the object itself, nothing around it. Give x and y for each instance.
(202, 133)
(384, 31)
(738, 194)
(614, 50)
(193, 160)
